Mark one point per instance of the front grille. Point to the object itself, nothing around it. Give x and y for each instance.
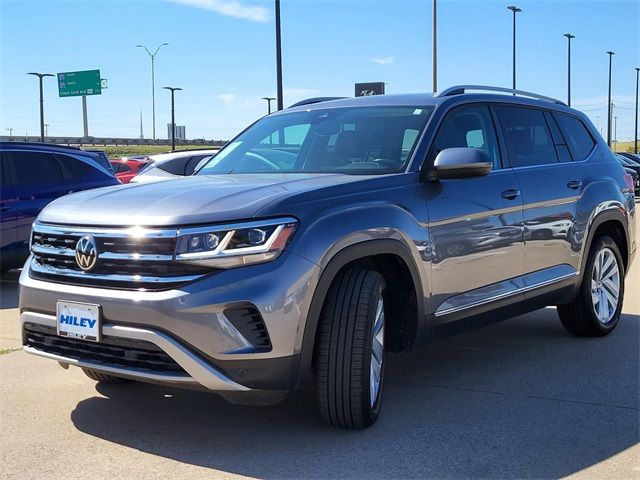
(127, 258)
(110, 351)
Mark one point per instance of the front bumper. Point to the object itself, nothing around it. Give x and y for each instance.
(190, 326)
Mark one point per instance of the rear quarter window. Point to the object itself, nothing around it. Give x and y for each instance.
(576, 134)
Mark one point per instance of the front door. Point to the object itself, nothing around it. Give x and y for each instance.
(475, 224)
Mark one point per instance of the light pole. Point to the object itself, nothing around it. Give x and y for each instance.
(10, 130)
(569, 37)
(46, 130)
(268, 99)
(635, 137)
(278, 57)
(434, 46)
(173, 116)
(515, 10)
(615, 132)
(609, 109)
(153, 83)
(40, 77)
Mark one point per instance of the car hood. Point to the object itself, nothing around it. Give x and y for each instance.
(183, 200)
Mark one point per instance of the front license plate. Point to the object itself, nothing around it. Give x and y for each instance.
(78, 320)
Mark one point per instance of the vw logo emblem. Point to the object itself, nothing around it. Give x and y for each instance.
(86, 253)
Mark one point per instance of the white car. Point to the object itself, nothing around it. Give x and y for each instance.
(165, 166)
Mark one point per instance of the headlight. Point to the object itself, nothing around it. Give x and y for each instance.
(227, 246)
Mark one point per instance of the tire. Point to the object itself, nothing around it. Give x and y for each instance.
(103, 377)
(583, 317)
(344, 365)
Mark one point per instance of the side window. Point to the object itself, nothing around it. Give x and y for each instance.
(576, 135)
(175, 166)
(123, 168)
(195, 160)
(558, 139)
(33, 168)
(72, 168)
(527, 136)
(470, 126)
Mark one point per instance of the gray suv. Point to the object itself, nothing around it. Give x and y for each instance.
(325, 236)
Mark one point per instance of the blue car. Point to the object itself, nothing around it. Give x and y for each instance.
(31, 176)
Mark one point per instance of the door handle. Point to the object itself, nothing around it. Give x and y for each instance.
(574, 184)
(511, 193)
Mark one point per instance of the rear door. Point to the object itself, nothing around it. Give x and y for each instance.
(551, 184)
(475, 223)
(38, 180)
(8, 219)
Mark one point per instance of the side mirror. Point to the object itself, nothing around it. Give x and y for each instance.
(460, 162)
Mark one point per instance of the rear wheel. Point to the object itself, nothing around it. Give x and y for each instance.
(103, 377)
(349, 357)
(597, 307)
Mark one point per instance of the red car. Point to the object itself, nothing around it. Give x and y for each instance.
(126, 168)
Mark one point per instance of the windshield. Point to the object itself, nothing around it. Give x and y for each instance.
(355, 140)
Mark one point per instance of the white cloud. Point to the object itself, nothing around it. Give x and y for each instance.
(230, 8)
(384, 60)
(227, 98)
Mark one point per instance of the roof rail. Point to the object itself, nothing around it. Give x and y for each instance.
(310, 101)
(460, 89)
(39, 144)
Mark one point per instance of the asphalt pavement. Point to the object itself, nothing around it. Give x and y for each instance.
(518, 399)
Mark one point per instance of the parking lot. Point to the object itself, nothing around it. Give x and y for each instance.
(521, 398)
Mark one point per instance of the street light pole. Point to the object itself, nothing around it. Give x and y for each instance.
(609, 109)
(153, 83)
(515, 10)
(278, 57)
(268, 99)
(173, 116)
(40, 77)
(434, 46)
(635, 137)
(569, 37)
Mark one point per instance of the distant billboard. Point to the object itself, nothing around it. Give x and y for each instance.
(78, 84)
(370, 88)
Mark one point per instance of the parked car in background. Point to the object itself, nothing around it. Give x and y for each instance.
(126, 168)
(170, 165)
(633, 157)
(627, 163)
(103, 158)
(635, 176)
(31, 176)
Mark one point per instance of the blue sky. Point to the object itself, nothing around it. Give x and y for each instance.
(221, 52)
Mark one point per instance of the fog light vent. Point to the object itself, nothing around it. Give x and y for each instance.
(249, 323)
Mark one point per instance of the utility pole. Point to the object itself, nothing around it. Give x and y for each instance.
(569, 37)
(515, 10)
(635, 136)
(46, 130)
(173, 116)
(279, 58)
(268, 99)
(153, 84)
(609, 104)
(10, 130)
(615, 132)
(141, 133)
(434, 46)
(40, 77)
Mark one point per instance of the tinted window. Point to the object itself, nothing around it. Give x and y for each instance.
(558, 139)
(123, 168)
(32, 168)
(175, 166)
(527, 136)
(355, 140)
(194, 162)
(472, 127)
(576, 135)
(73, 168)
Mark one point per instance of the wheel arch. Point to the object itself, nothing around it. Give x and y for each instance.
(388, 257)
(613, 223)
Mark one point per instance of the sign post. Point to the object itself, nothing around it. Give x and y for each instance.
(80, 84)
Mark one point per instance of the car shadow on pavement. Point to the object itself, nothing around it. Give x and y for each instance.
(9, 289)
(517, 399)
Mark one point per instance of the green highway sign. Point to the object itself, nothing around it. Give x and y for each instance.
(77, 84)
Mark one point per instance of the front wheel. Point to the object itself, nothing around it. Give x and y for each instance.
(597, 307)
(349, 356)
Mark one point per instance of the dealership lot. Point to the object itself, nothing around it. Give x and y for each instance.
(517, 399)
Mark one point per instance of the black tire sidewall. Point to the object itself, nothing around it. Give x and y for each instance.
(373, 412)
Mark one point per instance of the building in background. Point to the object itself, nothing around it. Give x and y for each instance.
(180, 132)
